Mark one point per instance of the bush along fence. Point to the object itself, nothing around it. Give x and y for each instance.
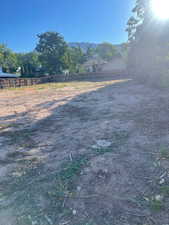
(20, 82)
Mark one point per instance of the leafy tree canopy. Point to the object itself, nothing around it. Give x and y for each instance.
(148, 41)
(29, 63)
(8, 59)
(106, 51)
(51, 48)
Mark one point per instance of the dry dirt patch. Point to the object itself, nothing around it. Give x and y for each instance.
(84, 153)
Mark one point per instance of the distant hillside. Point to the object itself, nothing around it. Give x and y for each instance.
(85, 45)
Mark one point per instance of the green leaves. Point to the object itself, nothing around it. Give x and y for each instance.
(51, 49)
(106, 51)
(8, 59)
(29, 63)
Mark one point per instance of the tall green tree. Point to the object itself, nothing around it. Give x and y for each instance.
(90, 53)
(74, 59)
(106, 51)
(52, 48)
(8, 59)
(2, 50)
(77, 55)
(148, 41)
(29, 63)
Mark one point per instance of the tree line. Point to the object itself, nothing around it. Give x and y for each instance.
(52, 55)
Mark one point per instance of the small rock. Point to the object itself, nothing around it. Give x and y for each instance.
(162, 181)
(158, 197)
(103, 143)
(95, 146)
(74, 212)
(147, 199)
(79, 188)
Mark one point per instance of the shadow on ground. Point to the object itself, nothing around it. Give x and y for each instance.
(58, 174)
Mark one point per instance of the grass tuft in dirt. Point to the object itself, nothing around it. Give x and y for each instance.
(20, 137)
(102, 151)
(164, 153)
(156, 205)
(120, 136)
(165, 191)
(54, 188)
(73, 168)
(6, 126)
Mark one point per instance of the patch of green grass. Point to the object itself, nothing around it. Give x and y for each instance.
(59, 85)
(102, 151)
(51, 86)
(40, 88)
(73, 168)
(56, 187)
(60, 191)
(164, 153)
(20, 137)
(120, 137)
(156, 205)
(165, 191)
(65, 184)
(5, 126)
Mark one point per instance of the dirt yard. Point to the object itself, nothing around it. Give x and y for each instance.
(84, 153)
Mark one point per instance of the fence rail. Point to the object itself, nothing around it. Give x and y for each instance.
(20, 82)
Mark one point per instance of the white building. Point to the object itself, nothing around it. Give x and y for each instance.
(7, 75)
(116, 64)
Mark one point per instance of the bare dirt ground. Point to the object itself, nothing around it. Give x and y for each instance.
(84, 153)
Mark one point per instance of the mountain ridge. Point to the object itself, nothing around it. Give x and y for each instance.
(85, 45)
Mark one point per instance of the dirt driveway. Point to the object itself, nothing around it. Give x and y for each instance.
(84, 153)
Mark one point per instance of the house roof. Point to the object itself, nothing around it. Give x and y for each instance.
(7, 75)
(94, 61)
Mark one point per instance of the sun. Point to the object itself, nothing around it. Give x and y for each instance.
(160, 8)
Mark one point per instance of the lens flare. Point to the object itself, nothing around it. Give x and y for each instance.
(160, 8)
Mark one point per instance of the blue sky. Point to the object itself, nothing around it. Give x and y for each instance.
(77, 20)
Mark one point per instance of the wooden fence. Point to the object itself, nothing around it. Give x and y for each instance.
(20, 82)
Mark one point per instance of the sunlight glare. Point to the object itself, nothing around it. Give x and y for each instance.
(160, 8)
